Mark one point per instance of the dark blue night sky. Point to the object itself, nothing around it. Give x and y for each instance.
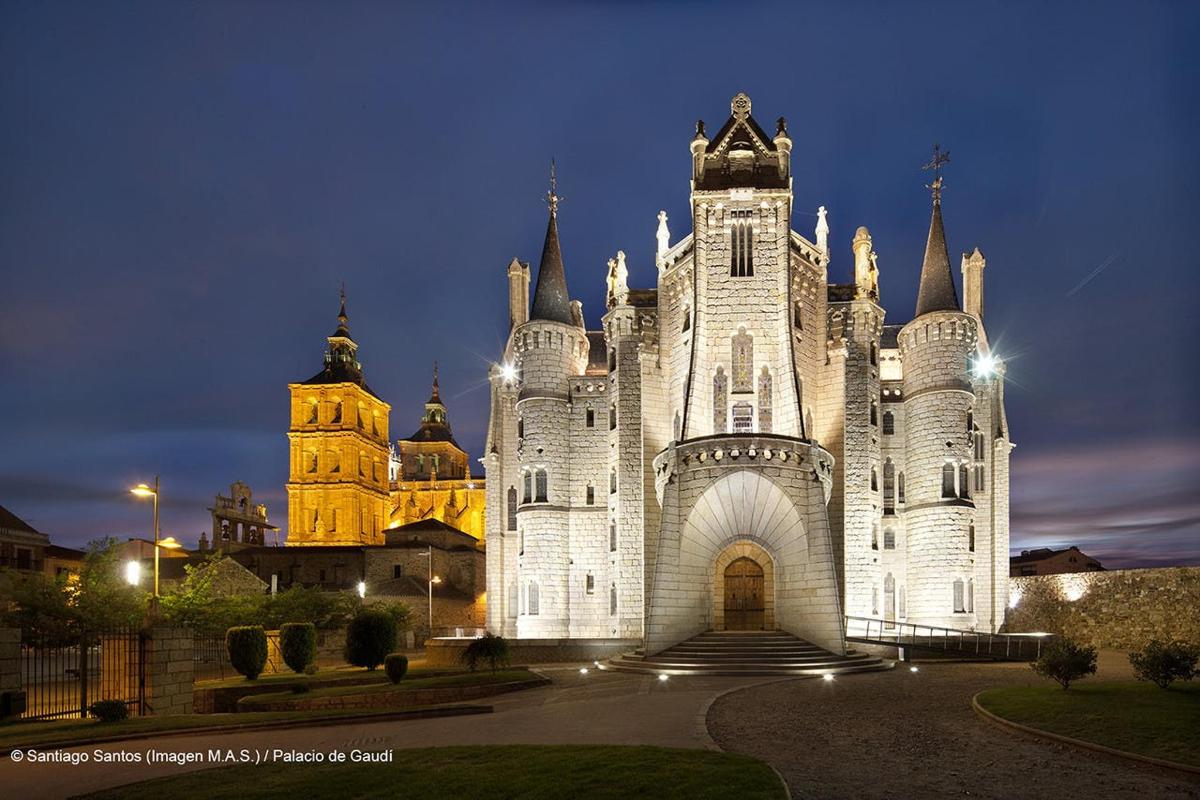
(184, 186)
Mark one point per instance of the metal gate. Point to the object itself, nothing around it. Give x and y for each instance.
(64, 672)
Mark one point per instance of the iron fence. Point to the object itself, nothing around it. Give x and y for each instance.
(65, 672)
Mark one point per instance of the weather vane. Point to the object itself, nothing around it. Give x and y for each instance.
(940, 159)
(552, 197)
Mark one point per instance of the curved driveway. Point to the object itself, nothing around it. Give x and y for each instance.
(901, 734)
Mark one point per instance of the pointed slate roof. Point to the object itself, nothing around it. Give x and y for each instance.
(937, 292)
(551, 300)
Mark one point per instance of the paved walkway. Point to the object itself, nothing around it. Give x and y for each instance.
(599, 708)
(913, 735)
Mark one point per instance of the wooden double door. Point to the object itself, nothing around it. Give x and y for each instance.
(745, 609)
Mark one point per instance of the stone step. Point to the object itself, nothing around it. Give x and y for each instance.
(750, 670)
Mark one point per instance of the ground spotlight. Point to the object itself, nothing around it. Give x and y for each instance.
(913, 669)
(583, 670)
(828, 676)
(662, 676)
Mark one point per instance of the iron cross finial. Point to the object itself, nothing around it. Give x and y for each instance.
(940, 159)
(552, 197)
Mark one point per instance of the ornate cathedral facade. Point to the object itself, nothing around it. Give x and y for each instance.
(347, 484)
(746, 445)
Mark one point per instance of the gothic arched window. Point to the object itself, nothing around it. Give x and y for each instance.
(742, 352)
(528, 496)
(687, 319)
(612, 536)
(741, 250)
(874, 413)
(959, 601)
(720, 400)
(889, 487)
(533, 604)
(889, 539)
(764, 401)
(874, 480)
(900, 488)
(964, 485)
(948, 480)
(540, 484)
(512, 508)
(612, 599)
(971, 538)
(889, 423)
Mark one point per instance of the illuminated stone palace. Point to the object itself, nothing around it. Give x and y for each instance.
(746, 445)
(347, 485)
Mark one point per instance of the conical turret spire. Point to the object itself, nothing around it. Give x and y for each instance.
(936, 292)
(436, 397)
(551, 301)
(343, 328)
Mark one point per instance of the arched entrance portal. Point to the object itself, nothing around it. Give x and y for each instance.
(745, 609)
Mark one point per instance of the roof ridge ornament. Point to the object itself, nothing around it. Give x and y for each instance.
(940, 159)
(740, 105)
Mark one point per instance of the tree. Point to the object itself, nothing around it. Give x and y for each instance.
(487, 648)
(1065, 661)
(370, 636)
(56, 609)
(1162, 663)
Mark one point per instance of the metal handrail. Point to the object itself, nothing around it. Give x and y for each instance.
(877, 630)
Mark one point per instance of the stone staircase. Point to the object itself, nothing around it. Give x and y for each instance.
(746, 653)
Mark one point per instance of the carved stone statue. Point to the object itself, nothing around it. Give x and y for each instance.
(822, 232)
(611, 296)
(622, 279)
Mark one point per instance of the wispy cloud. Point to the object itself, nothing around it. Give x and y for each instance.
(1132, 504)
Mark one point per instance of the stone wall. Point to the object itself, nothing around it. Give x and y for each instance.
(1119, 609)
(170, 670)
(448, 652)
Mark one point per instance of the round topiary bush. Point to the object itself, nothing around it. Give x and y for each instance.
(396, 665)
(370, 636)
(247, 646)
(298, 644)
(109, 710)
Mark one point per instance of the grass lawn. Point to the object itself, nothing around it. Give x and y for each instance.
(29, 734)
(487, 773)
(1133, 716)
(483, 678)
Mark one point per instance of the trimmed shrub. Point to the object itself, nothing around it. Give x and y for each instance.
(1161, 663)
(311, 668)
(1065, 661)
(298, 644)
(370, 636)
(396, 665)
(109, 710)
(489, 649)
(247, 646)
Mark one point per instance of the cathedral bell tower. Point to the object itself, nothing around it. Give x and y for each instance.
(338, 478)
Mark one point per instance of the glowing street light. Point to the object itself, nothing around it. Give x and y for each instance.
(142, 490)
(362, 589)
(133, 573)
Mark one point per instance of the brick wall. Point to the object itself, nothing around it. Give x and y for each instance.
(1119, 609)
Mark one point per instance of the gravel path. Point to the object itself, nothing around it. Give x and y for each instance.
(900, 734)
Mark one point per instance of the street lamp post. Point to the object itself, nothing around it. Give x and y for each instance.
(432, 580)
(142, 490)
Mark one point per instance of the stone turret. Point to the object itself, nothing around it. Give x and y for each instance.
(936, 348)
(972, 272)
(518, 293)
(549, 348)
